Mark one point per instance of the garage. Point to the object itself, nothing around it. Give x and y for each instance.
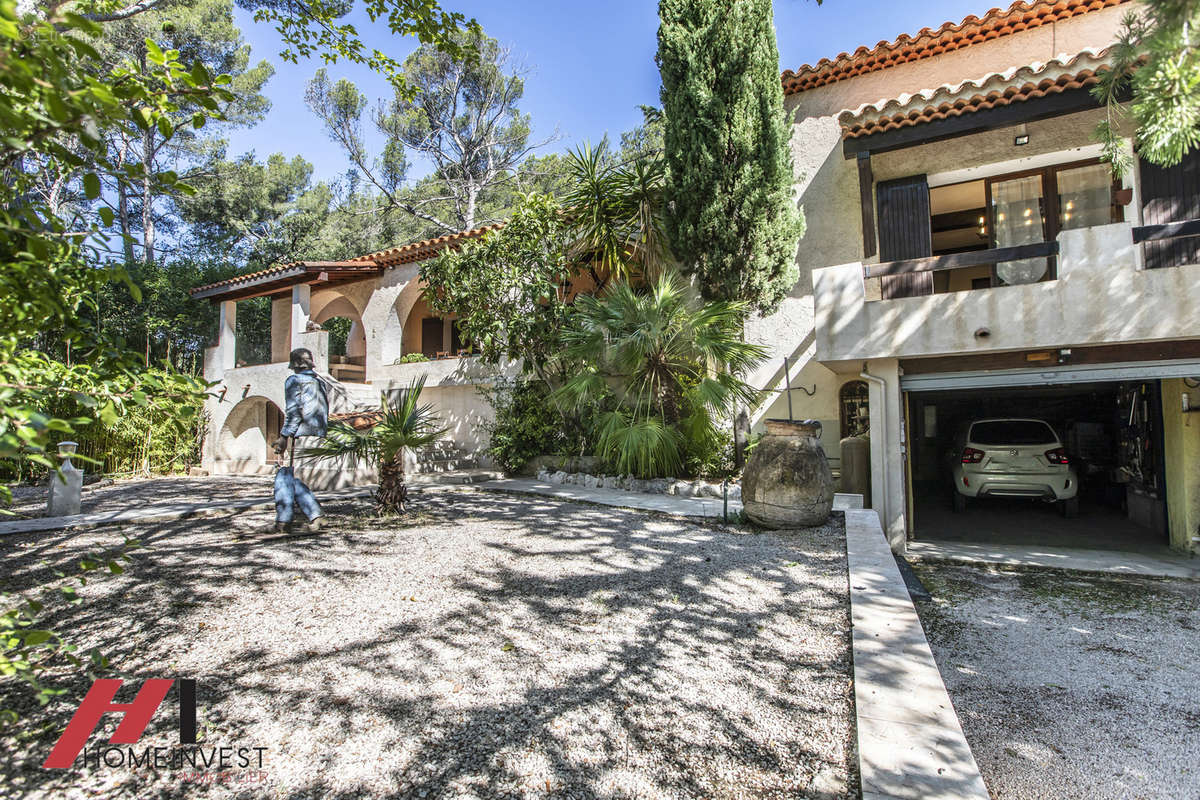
(1106, 422)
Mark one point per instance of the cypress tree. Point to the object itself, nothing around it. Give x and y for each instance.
(731, 218)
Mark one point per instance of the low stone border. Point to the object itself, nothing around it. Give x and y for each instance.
(668, 486)
(910, 742)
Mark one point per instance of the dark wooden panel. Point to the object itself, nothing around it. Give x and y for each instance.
(1170, 230)
(1171, 195)
(1080, 356)
(974, 258)
(866, 190)
(432, 337)
(904, 233)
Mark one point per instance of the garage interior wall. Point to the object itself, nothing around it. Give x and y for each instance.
(1181, 451)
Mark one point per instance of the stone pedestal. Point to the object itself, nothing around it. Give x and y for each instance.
(65, 491)
(787, 482)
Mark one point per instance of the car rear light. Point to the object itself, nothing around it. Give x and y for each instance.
(971, 455)
(1057, 456)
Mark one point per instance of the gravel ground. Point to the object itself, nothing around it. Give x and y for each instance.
(1071, 685)
(487, 645)
(30, 501)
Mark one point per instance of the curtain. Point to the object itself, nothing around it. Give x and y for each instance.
(1085, 196)
(1016, 220)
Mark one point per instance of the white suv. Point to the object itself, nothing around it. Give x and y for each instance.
(1013, 458)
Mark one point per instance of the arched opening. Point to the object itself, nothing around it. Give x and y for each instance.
(430, 335)
(854, 409)
(347, 340)
(245, 438)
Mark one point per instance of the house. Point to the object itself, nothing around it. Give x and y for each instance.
(968, 255)
(390, 323)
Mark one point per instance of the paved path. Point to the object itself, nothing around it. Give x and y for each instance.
(164, 512)
(702, 507)
(1163, 565)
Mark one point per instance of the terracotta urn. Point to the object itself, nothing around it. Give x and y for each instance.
(787, 482)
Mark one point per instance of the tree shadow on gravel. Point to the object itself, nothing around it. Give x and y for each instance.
(599, 663)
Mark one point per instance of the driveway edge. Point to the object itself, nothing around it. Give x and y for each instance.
(910, 741)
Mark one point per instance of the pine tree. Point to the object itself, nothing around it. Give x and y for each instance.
(731, 217)
(1157, 61)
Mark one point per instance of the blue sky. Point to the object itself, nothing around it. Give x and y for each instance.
(592, 63)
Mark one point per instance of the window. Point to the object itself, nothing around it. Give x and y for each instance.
(1012, 432)
(1084, 196)
(1014, 209)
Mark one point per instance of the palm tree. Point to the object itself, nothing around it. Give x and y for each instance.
(407, 423)
(662, 367)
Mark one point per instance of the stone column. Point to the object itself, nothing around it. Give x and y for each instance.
(227, 335)
(301, 305)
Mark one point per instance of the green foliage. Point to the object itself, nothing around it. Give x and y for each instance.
(663, 369)
(59, 103)
(509, 287)
(151, 423)
(729, 182)
(527, 424)
(616, 214)
(1157, 59)
(412, 358)
(30, 651)
(312, 28)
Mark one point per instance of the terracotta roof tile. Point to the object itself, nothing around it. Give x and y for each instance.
(359, 420)
(928, 42)
(978, 102)
(310, 266)
(404, 254)
(426, 248)
(996, 88)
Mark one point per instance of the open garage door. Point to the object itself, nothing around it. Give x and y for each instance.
(1107, 422)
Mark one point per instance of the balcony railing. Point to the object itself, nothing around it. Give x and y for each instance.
(975, 258)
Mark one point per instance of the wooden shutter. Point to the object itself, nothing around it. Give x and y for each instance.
(904, 233)
(1171, 194)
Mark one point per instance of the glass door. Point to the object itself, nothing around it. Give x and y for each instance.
(1018, 216)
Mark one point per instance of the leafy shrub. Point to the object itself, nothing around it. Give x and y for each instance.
(412, 358)
(147, 434)
(528, 424)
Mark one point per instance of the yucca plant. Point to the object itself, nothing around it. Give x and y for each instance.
(615, 212)
(662, 366)
(406, 423)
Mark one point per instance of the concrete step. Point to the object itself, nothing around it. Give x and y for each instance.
(447, 465)
(456, 477)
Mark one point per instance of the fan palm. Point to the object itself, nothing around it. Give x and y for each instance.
(403, 424)
(663, 368)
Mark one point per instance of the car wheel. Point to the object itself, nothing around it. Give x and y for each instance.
(1069, 508)
(960, 503)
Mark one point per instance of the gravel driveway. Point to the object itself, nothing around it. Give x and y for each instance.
(1071, 685)
(488, 645)
(30, 501)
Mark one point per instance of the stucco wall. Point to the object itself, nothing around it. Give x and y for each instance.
(1181, 437)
